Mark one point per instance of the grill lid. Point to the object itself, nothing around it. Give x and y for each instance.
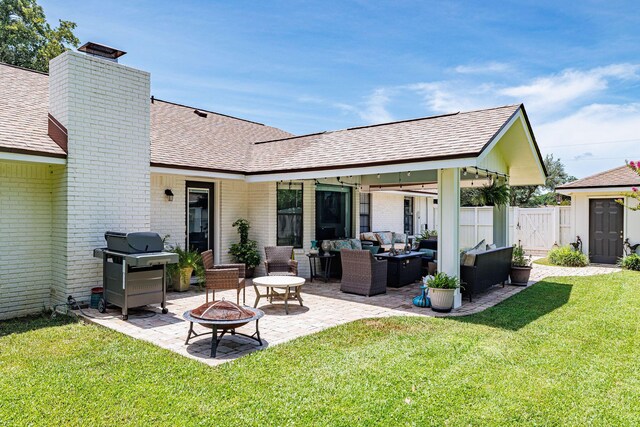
(221, 310)
(133, 243)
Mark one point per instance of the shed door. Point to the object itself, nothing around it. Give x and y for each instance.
(605, 230)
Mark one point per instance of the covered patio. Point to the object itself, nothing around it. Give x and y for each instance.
(436, 155)
(324, 307)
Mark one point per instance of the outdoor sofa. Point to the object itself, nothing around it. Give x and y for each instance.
(483, 269)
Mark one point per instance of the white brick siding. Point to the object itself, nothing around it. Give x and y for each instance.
(105, 107)
(25, 237)
(387, 212)
(168, 218)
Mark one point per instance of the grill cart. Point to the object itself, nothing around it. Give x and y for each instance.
(134, 271)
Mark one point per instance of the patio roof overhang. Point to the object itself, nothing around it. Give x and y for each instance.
(512, 151)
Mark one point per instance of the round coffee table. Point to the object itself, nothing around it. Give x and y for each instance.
(290, 284)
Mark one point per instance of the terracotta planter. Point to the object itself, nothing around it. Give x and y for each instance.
(441, 299)
(185, 280)
(520, 275)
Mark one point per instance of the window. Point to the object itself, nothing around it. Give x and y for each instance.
(289, 215)
(365, 212)
(333, 212)
(408, 215)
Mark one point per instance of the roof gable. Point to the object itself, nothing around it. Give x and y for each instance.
(440, 137)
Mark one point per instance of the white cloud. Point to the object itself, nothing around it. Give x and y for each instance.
(486, 68)
(552, 93)
(449, 97)
(609, 132)
(375, 110)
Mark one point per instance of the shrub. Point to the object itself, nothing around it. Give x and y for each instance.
(246, 252)
(631, 262)
(566, 256)
(443, 281)
(519, 257)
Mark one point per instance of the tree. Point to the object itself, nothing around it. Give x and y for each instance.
(535, 195)
(486, 195)
(27, 40)
(528, 195)
(634, 194)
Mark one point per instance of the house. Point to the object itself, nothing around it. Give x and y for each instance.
(86, 149)
(603, 224)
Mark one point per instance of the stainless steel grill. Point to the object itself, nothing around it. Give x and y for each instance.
(133, 271)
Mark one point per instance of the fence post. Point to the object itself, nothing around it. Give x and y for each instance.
(555, 222)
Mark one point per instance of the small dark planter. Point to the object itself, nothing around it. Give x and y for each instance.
(520, 275)
(249, 272)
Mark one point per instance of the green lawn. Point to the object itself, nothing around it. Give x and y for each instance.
(563, 352)
(543, 261)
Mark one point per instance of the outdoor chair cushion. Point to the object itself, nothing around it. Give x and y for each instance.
(338, 245)
(371, 237)
(355, 244)
(385, 238)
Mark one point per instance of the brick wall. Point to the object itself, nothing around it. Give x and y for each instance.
(105, 108)
(168, 218)
(25, 237)
(387, 212)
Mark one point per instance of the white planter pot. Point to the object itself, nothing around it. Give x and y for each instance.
(441, 299)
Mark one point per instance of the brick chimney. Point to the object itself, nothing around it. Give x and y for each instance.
(105, 109)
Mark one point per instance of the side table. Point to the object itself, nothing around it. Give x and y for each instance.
(313, 267)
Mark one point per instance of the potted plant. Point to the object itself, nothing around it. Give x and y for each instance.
(442, 288)
(245, 252)
(188, 262)
(520, 266)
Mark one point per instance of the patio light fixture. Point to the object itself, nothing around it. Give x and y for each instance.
(168, 194)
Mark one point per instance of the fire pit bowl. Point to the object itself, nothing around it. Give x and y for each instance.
(224, 316)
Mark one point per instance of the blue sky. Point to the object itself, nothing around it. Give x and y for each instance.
(309, 66)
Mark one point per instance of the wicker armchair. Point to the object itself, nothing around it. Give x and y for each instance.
(278, 261)
(362, 274)
(223, 276)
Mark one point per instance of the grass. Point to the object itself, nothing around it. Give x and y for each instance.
(563, 352)
(543, 261)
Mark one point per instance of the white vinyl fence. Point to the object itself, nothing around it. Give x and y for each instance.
(537, 229)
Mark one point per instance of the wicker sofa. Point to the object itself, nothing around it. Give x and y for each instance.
(384, 239)
(362, 274)
(489, 268)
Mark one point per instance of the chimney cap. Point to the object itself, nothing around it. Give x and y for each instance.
(101, 50)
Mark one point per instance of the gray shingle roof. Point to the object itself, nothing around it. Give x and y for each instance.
(24, 106)
(448, 136)
(619, 177)
(180, 137)
(184, 139)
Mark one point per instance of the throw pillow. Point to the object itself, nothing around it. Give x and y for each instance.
(491, 246)
(356, 244)
(385, 238)
(342, 244)
(481, 244)
(470, 257)
(371, 237)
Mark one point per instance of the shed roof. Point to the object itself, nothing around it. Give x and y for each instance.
(619, 177)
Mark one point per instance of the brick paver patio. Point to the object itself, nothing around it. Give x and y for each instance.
(324, 306)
